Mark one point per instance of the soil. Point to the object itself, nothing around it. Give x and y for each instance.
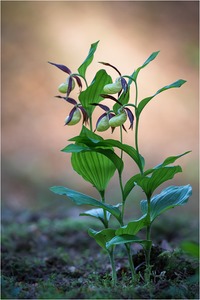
(47, 255)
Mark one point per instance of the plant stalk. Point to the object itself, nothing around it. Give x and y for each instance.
(114, 274)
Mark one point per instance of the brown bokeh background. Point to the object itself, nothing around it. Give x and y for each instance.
(32, 119)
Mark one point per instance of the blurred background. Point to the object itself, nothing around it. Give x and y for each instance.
(62, 32)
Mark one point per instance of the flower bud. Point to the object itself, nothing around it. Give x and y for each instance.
(113, 88)
(103, 124)
(63, 87)
(75, 118)
(118, 120)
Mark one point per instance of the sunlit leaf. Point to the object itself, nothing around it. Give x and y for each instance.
(171, 159)
(151, 179)
(82, 199)
(149, 59)
(169, 198)
(102, 236)
(82, 69)
(144, 102)
(92, 93)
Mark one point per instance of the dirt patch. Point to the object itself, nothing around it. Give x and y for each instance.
(49, 256)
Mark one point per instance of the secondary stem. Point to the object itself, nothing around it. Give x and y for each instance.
(114, 274)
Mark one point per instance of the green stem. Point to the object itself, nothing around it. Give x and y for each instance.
(149, 243)
(128, 249)
(114, 274)
(121, 139)
(136, 129)
(102, 193)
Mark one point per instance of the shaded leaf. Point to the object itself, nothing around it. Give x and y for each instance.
(169, 198)
(102, 237)
(82, 199)
(125, 239)
(82, 69)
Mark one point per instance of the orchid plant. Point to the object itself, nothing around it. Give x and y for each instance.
(96, 159)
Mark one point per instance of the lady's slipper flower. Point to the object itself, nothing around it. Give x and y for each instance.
(69, 85)
(75, 114)
(119, 85)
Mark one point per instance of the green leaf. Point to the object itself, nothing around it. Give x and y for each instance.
(124, 239)
(82, 199)
(158, 176)
(92, 93)
(169, 198)
(171, 159)
(144, 102)
(82, 69)
(94, 167)
(133, 227)
(123, 99)
(93, 140)
(97, 213)
(191, 248)
(149, 59)
(103, 236)
(150, 182)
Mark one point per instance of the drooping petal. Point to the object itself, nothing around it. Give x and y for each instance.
(107, 64)
(84, 113)
(78, 80)
(61, 67)
(69, 89)
(130, 116)
(74, 116)
(99, 119)
(124, 84)
(104, 107)
(110, 97)
(70, 100)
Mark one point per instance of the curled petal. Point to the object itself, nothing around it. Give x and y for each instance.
(107, 64)
(70, 86)
(74, 116)
(78, 81)
(124, 84)
(130, 116)
(61, 67)
(70, 100)
(102, 122)
(85, 115)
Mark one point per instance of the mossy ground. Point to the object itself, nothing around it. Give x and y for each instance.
(47, 256)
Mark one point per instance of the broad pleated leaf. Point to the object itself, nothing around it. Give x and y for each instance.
(93, 167)
(102, 237)
(125, 239)
(82, 69)
(93, 140)
(92, 93)
(82, 199)
(133, 227)
(145, 101)
(169, 198)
